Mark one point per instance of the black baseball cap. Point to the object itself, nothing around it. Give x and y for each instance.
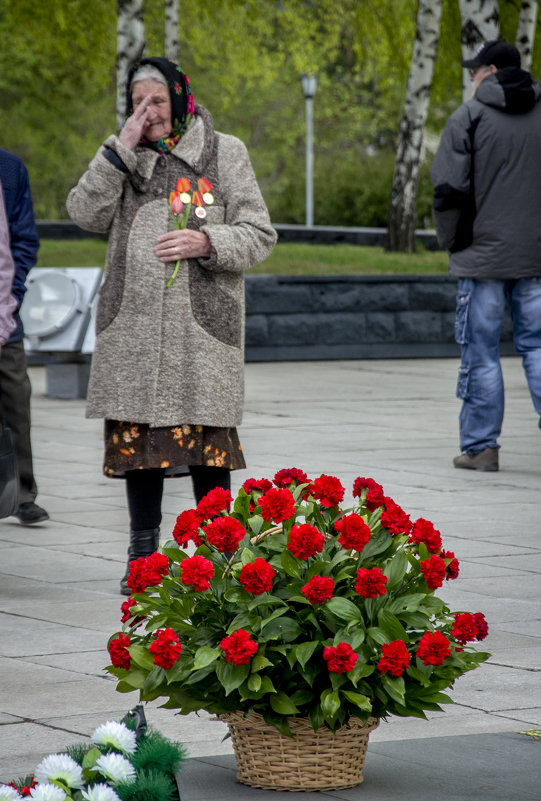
(497, 52)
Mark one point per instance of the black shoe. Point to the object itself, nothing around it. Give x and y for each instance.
(29, 513)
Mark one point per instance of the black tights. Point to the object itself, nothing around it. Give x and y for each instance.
(145, 490)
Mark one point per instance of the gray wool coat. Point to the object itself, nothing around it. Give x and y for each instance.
(169, 356)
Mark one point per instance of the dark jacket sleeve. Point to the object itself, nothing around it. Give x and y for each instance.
(22, 229)
(452, 178)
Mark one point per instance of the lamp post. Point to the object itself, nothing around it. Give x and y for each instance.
(309, 84)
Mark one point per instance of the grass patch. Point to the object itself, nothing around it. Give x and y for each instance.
(286, 259)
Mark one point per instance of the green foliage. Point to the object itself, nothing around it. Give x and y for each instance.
(286, 672)
(244, 58)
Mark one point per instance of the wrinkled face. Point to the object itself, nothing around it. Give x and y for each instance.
(159, 122)
(477, 76)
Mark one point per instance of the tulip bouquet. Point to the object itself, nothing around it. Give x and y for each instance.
(181, 201)
(120, 764)
(284, 603)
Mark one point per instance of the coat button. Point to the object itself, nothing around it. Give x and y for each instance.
(157, 191)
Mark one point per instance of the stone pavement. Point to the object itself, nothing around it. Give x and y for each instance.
(393, 420)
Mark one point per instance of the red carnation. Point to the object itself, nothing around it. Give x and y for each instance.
(256, 577)
(433, 648)
(341, 659)
(464, 628)
(216, 501)
(394, 518)
(434, 571)
(453, 567)
(424, 531)
(290, 475)
(319, 589)
(238, 647)
(395, 659)
(225, 533)
(197, 571)
(147, 571)
(305, 541)
(118, 651)
(187, 528)
(374, 492)
(328, 490)
(277, 505)
(370, 582)
(166, 648)
(255, 488)
(482, 625)
(127, 614)
(256, 485)
(354, 533)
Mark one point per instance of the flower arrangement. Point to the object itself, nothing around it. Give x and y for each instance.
(294, 607)
(121, 764)
(181, 201)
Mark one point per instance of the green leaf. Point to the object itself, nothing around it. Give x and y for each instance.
(205, 656)
(154, 679)
(305, 650)
(231, 676)
(284, 628)
(255, 524)
(390, 624)
(141, 657)
(135, 678)
(254, 682)
(282, 703)
(260, 661)
(344, 609)
(395, 570)
(290, 564)
(395, 687)
(276, 614)
(90, 758)
(361, 701)
(330, 703)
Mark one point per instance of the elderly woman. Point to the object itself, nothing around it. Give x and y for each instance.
(167, 371)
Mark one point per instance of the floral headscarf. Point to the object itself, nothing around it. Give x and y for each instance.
(182, 102)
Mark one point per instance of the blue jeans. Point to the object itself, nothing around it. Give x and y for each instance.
(479, 315)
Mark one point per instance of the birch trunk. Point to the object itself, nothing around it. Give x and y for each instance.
(526, 31)
(403, 204)
(130, 46)
(480, 23)
(171, 30)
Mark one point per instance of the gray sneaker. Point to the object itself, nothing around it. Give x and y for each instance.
(486, 460)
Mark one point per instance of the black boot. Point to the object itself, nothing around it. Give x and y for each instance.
(142, 543)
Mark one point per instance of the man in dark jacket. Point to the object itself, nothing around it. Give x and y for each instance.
(14, 381)
(487, 209)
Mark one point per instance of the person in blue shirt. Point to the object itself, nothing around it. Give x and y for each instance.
(14, 381)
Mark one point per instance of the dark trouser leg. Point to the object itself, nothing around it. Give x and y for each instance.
(144, 489)
(206, 478)
(15, 388)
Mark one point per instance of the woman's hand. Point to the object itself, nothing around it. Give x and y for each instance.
(186, 244)
(134, 126)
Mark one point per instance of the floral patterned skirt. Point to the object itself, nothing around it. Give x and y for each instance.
(137, 446)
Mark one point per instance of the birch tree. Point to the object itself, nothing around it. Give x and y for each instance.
(171, 30)
(480, 23)
(403, 204)
(130, 46)
(526, 31)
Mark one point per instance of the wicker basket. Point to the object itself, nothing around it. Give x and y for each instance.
(307, 761)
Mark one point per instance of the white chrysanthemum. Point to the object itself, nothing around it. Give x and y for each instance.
(47, 792)
(60, 767)
(116, 735)
(116, 768)
(100, 792)
(8, 793)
